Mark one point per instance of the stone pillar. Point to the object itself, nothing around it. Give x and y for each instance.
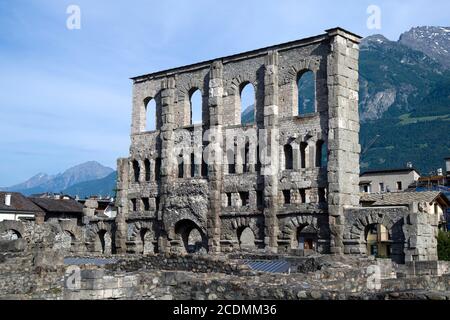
(270, 151)
(343, 135)
(215, 155)
(123, 179)
(168, 161)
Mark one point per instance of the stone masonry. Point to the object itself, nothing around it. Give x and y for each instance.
(286, 183)
(179, 178)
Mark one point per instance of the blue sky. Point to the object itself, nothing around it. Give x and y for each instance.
(65, 95)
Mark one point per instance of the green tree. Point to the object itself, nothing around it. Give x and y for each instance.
(443, 247)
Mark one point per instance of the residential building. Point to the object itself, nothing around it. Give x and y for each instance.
(390, 180)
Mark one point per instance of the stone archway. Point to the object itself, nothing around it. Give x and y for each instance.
(10, 235)
(246, 238)
(146, 237)
(190, 237)
(302, 232)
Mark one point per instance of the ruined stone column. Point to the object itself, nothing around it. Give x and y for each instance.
(270, 168)
(167, 155)
(122, 204)
(343, 135)
(215, 155)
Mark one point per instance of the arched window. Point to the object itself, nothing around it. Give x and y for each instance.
(150, 114)
(377, 240)
(306, 93)
(321, 154)
(192, 164)
(136, 170)
(247, 103)
(246, 157)
(303, 146)
(147, 169)
(196, 103)
(180, 166)
(246, 238)
(288, 157)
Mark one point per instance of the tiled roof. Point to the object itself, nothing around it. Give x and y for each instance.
(400, 198)
(18, 203)
(58, 205)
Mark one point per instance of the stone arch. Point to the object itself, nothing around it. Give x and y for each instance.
(183, 229)
(10, 234)
(184, 95)
(12, 229)
(294, 224)
(359, 226)
(141, 234)
(302, 66)
(246, 238)
(100, 239)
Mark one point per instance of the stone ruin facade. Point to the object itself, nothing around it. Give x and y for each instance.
(222, 186)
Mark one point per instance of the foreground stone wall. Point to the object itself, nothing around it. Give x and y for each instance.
(42, 275)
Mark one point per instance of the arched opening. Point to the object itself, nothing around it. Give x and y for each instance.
(146, 240)
(288, 157)
(246, 167)
(321, 154)
(205, 159)
(195, 241)
(305, 238)
(157, 169)
(246, 238)
(192, 165)
(10, 235)
(306, 93)
(147, 169)
(101, 236)
(180, 166)
(378, 241)
(136, 170)
(150, 114)
(303, 146)
(247, 103)
(191, 236)
(196, 102)
(68, 240)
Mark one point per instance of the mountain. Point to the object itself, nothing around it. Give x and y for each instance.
(100, 187)
(405, 100)
(433, 41)
(44, 183)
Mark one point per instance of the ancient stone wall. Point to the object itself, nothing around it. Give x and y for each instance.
(181, 178)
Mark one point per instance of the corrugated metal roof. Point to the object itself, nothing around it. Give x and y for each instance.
(272, 266)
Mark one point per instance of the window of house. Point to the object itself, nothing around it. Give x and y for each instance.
(306, 93)
(180, 166)
(399, 186)
(147, 169)
(322, 195)
(287, 196)
(260, 199)
(303, 195)
(244, 198)
(288, 157)
(381, 187)
(157, 200)
(146, 204)
(229, 203)
(247, 103)
(133, 205)
(150, 114)
(136, 170)
(195, 101)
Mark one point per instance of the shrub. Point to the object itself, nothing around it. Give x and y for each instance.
(443, 246)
